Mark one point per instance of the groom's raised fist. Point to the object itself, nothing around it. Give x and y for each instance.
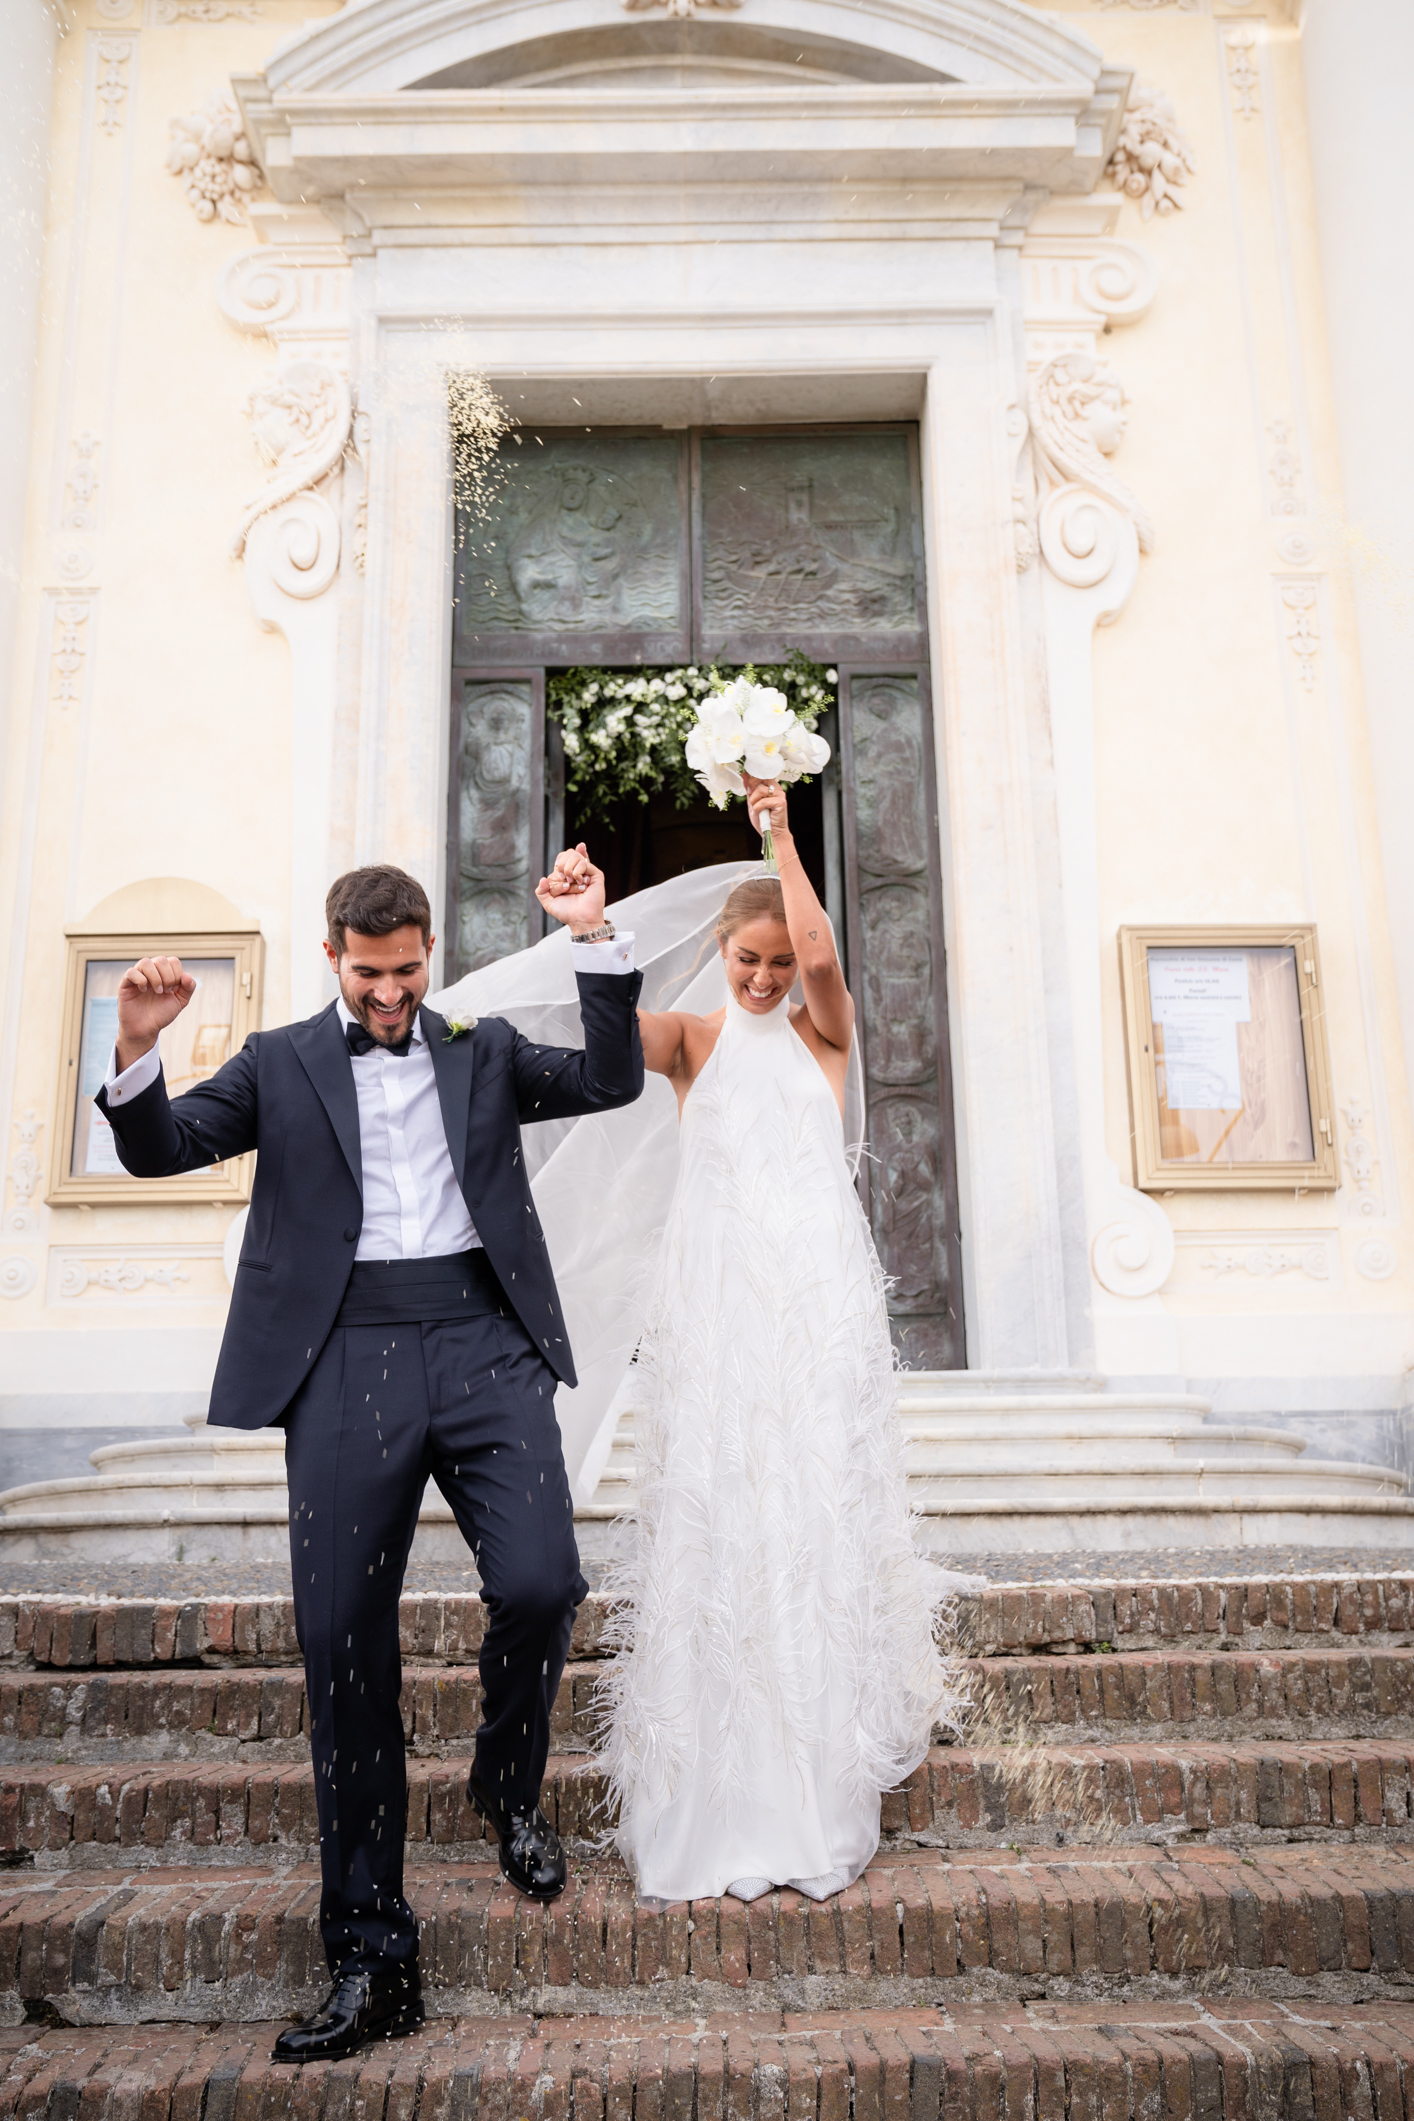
(573, 892)
(151, 994)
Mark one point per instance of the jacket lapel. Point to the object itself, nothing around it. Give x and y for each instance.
(323, 1053)
(452, 1067)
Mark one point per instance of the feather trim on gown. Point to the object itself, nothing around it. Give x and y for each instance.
(775, 1668)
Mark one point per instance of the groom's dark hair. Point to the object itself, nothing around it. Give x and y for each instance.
(375, 901)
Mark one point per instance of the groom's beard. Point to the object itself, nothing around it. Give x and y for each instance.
(387, 1030)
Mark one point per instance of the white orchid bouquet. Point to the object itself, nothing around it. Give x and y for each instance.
(752, 727)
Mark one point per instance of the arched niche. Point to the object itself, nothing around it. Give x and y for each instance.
(165, 905)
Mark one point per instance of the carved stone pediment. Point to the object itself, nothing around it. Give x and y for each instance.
(379, 46)
(439, 101)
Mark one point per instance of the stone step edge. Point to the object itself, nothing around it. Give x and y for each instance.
(1290, 2061)
(1259, 1612)
(206, 1713)
(1354, 1789)
(152, 1945)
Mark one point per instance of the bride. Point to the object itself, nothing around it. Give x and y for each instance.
(777, 1668)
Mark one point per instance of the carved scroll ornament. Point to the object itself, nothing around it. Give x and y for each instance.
(301, 420)
(1077, 422)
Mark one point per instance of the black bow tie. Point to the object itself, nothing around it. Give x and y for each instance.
(361, 1041)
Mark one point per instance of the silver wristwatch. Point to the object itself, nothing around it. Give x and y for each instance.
(604, 933)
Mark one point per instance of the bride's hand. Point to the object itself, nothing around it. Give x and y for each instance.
(766, 799)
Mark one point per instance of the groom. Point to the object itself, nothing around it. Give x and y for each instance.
(394, 1311)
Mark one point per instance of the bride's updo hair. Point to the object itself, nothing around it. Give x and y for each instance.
(755, 898)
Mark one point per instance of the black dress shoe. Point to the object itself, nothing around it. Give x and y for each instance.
(531, 1856)
(359, 2009)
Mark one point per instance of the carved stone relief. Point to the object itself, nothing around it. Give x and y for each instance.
(1376, 1259)
(166, 11)
(1077, 287)
(1230, 1261)
(17, 1275)
(114, 57)
(1241, 73)
(71, 616)
(1284, 470)
(214, 159)
(1152, 158)
(1077, 423)
(22, 1220)
(82, 484)
(493, 898)
(124, 1277)
(1303, 631)
(908, 1195)
(807, 534)
(583, 537)
(1362, 1200)
(301, 419)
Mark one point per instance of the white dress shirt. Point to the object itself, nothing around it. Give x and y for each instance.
(413, 1206)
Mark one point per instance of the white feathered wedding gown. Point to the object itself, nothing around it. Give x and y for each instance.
(777, 1668)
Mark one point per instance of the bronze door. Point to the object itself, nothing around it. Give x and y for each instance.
(640, 547)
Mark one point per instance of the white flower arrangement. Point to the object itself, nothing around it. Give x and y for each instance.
(624, 731)
(752, 726)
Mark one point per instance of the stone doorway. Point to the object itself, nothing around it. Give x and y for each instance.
(634, 548)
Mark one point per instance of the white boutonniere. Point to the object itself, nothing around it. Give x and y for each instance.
(457, 1027)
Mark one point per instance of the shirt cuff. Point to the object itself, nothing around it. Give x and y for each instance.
(133, 1081)
(613, 955)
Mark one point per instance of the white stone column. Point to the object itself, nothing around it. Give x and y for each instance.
(1090, 561)
(1358, 58)
(29, 32)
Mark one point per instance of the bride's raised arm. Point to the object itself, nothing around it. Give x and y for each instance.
(827, 998)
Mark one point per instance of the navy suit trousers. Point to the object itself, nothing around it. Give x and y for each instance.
(470, 1403)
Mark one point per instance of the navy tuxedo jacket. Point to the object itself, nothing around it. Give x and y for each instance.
(290, 1095)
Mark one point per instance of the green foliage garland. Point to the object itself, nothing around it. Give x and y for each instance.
(624, 730)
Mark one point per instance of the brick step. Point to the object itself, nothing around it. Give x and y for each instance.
(120, 1947)
(254, 1714)
(1128, 1613)
(1361, 1790)
(1162, 2061)
(258, 1714)
(1180, 1693)
(52, 1633)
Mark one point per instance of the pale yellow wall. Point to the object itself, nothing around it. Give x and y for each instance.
(176, 761)
(1199, 811)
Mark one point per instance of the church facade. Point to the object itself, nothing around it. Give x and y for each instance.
(1019, 366)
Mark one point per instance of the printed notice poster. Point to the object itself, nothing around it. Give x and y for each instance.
(101, 1161)
(1200, 997)
(100, 1035)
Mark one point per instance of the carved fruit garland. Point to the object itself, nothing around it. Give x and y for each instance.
(1152, 158)
(213, 157)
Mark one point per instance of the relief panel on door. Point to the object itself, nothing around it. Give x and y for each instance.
(582, 555)
(900, 972)
(808, 541)
(493, 822)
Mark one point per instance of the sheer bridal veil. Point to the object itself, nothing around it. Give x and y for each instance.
(603, 1184)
